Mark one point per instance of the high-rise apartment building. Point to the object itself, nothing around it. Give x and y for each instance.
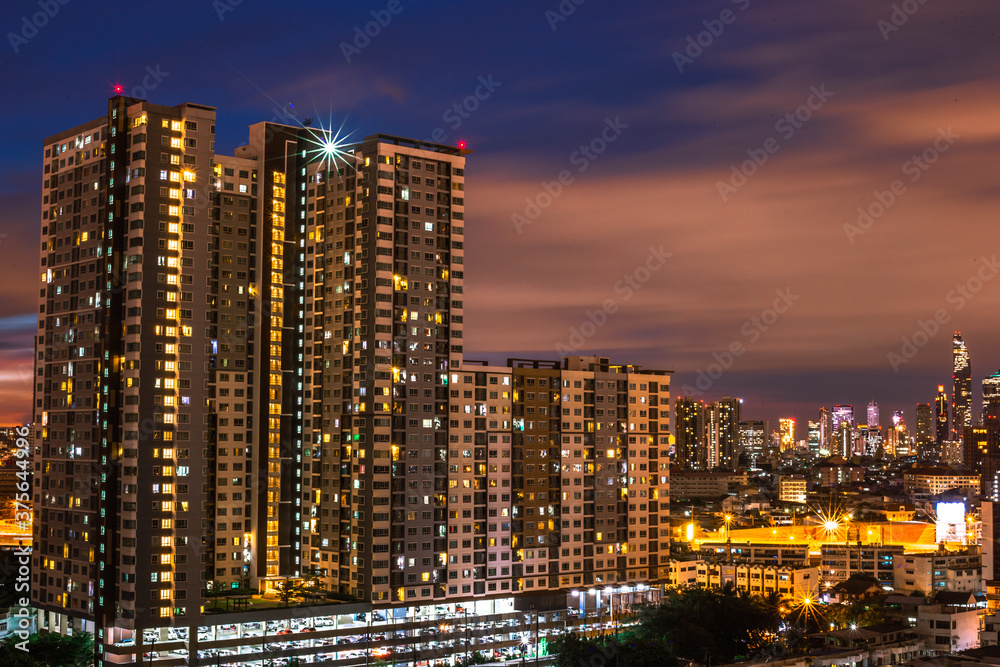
(690, 451)
(961, 395)
(722, 420)
(250, 368)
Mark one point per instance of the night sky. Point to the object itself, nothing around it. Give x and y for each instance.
(633, 193)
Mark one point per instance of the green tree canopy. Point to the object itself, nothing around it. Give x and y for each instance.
(49, 650)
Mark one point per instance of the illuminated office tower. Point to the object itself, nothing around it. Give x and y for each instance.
(841, 415)
(786, 428)
(991, 395)
(689, 434)
(825, 428)
(961, 396)
(898, 436)
(941, 416)
(873, 420)
(815, 438)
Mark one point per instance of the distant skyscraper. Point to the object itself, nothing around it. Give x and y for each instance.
(872, 416)
(723, 418)
(843, 414)
(843, 441)
(873, 434)
(961, 396)
(786, 428)
(712, 435)
(924, 429)
(689, 434)
(991, 395)
(753, 442)
(825, 428)
(897, 441)
(941, 416)
(981, 454)
(815, 437)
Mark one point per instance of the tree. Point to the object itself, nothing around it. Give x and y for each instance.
(475, 658)
(701, 624)
(288, 590)
(860, 613)
(312, 586)
(629, 650)
(50, 650)
(214, 589)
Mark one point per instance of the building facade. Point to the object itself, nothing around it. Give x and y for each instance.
(932, 481)
(955, 571)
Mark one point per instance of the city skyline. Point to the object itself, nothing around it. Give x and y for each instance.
(732, 255)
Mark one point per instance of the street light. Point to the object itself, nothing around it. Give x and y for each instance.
(525, 642)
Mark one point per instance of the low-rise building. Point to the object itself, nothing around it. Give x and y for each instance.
(836, 471)
(703, 484)
(840, 561)
(793, 488)
(951, 622)
(871, 646)
(788, 582)
(956, 571)
(682, 573)
(793, 553)
(932, 481)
